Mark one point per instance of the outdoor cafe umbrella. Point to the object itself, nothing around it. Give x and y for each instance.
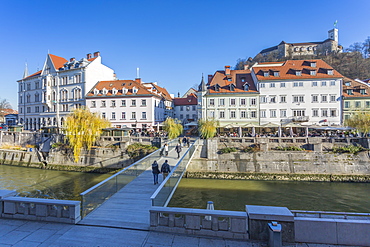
(253, 126)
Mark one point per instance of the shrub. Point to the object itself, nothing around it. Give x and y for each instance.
(138, 150)
(251, 149)
(349, 149)
(290, 148)
(228, 150)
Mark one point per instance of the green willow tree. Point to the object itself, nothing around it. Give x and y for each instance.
(83, 128)
(173, 127)
(207, 128)
(360, 121)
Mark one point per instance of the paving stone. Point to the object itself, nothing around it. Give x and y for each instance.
(184, 241)
(13, 237)
(40, 235)
(30, 226)
(24, 243)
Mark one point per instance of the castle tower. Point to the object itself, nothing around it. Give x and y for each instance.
(333, 34)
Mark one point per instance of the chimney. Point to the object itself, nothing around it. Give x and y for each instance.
(72, 59)
(88, 56)
(246, 66)
(227, 70)
(96, 54)
(138, 80)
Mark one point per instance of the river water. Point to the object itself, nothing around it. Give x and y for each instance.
(235, 194)
(39, 183)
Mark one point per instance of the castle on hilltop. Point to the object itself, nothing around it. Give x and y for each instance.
(289, 50)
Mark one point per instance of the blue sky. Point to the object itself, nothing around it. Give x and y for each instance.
(172, 42)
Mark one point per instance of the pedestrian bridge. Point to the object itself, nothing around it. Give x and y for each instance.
(124, 199)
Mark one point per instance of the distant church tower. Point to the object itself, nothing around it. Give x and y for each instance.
(202, 91)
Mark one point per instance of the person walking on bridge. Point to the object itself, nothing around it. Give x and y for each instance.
(155, 171)
(165, 169)
(178, 150)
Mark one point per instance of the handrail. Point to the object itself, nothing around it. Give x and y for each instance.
(321, 213)
(155, 194)
(118, 173)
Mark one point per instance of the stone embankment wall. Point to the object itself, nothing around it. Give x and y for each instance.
(282, 165)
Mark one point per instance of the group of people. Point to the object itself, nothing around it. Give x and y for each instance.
(165, 169)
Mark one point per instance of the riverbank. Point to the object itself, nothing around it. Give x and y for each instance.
(279, 177)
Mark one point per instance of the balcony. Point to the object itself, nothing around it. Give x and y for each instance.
(300, 119)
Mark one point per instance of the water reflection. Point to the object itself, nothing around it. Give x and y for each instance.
(235, 194)
(33, 182)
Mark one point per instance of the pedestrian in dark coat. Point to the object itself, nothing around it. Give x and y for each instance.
(155, 171)
(184, 140)
(178, 150)
(165, 169)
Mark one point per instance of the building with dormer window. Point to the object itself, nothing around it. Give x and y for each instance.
(230, 96)
(356, 97)
(131, 103)
(47, 96)
(299, 91)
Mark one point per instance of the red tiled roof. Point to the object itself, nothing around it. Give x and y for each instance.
(57, 61)
(287, 70)
(129, 85)
(356, 88)
(9, 111)
(34, 74)
(190, 100)
(236, 77)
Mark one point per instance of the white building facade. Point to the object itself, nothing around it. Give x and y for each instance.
(185, 108)
(130, 103)
(299, 91)
(47, 96)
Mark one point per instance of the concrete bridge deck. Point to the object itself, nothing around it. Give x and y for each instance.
(129, 207)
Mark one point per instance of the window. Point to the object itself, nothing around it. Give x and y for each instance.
(222, 114)
(358, 104)
(276, 73)
(298, 72)
(187, 116)
(243, 114)
(263, 99)
(181, 116)
(28, 109)
(143, 102)
(330, 72)
(143, 115)
(187, 108)
(265, 73)
(363, 91)
(93, 104)
(37, 109)
(194, 108)
(332, 83)
(123, 102)
(367, 104)
(333, 112)
(273, 113)
(253, 101)
(263, 113)
(181, 108)
(133, 115)
(298, 98)
(347, 104)
(312, 72)
(272, 99)
(103, 114)
(272, 84)
(300, 84)
(123, 115)
(113, 115)
(103, 103)
(295, 84)
(232, 101)
(37, 85)
(298, 113)
(113, 103)
(211, 102)
(232, 114)
(349, 91)
(315, 112)
(333, 98)
(262, 85)
(314, 83)
(283, 99)
(315, 98)
(283, 113)
(221, 102)
(324, 112)
(347, 83)
(246, 87)
(212, 114)
(242, 101)
(324, 98)
(253, 114)
(282, 84)
(323, 83)
(133, 102)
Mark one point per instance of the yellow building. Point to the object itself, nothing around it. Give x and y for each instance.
(356, 97)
